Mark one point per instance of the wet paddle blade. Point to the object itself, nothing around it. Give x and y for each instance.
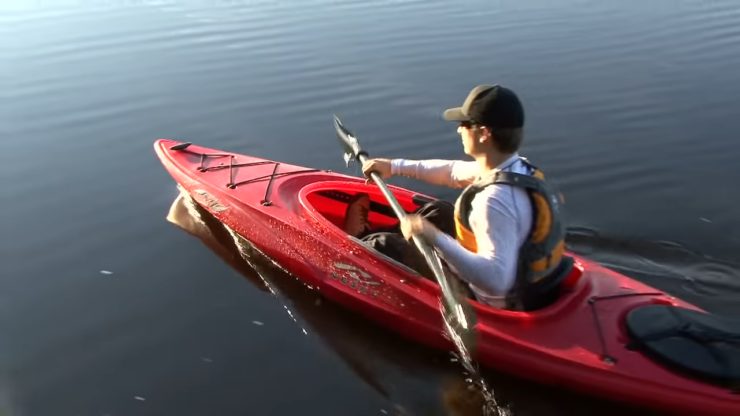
(348, 140)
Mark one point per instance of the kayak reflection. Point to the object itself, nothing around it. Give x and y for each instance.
(415, 379)
(365, 348)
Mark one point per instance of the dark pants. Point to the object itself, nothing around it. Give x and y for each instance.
(390, 241)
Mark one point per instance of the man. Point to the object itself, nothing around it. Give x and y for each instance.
(504, 233)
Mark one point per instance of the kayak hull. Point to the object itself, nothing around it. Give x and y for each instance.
(293, 215)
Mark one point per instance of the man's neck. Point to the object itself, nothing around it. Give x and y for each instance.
(489, 163)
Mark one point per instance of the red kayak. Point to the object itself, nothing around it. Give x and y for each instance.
(606, 335)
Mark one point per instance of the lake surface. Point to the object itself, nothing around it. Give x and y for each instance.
(109, 308)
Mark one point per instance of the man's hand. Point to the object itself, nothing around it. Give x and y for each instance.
(414, 224)
(381, 166)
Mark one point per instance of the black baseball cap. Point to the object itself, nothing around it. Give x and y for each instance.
(492, 106)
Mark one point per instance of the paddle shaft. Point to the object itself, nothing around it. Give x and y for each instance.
(429, 255)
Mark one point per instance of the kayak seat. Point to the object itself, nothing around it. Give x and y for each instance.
(544, 293)
(698, 344)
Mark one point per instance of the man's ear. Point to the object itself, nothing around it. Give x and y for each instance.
(485, 134)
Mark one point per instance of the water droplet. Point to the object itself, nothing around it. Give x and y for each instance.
(105, 272)
(258, 323)
(139, 398)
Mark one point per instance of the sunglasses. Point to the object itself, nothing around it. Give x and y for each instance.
(467, 124)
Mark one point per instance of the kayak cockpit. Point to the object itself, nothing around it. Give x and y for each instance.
(328, 202)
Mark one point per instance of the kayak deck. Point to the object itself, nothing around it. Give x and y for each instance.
(294, 215)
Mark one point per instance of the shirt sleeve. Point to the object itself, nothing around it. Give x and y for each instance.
(493, 267)
(451, 173)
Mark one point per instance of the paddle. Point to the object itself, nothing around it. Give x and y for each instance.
(354, 152)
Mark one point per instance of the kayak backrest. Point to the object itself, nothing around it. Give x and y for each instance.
(548, 291)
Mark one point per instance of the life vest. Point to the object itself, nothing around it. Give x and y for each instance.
(542, 251)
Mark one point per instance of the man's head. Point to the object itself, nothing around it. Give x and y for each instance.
(491, 120)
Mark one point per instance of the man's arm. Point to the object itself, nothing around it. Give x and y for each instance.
(493, 267)
(451, 173)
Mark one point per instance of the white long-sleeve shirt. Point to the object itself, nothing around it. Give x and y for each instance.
(500, 218)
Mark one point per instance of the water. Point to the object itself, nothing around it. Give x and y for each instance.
(630, 106)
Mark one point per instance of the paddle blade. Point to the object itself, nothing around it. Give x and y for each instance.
(348, 140)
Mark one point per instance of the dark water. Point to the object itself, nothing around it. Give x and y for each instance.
(632, 107)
